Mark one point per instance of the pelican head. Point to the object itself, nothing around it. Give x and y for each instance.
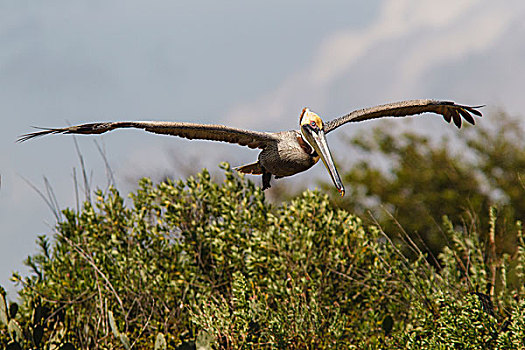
(312, 131)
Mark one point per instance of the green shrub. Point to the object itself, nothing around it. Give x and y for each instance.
(198, 263)
(410, 180)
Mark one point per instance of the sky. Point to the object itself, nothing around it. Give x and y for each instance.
(245, 64)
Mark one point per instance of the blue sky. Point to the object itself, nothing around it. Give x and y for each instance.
(248, 64)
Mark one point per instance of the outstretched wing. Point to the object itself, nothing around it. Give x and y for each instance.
(252, 139)
(449, 110)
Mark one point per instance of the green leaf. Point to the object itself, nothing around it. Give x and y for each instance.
(15, 331)
(160, 342)
(125, 341)
(204, 341)
(3, 308)
(37, 315)
(113, 325)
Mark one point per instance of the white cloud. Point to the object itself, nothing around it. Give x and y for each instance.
(397, 18)
(471, 35)
(423, 34)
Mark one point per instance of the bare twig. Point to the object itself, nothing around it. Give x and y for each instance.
(95, 267)
(145, 325)
(51, 195)
(87, 189)
(48, 201)
(109, 171)
(492, 251)
(406, 264)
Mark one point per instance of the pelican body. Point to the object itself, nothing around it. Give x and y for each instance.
(295, 151)
(284, 153)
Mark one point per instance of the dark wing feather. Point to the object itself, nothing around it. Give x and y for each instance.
(252, 139)
(449, 110)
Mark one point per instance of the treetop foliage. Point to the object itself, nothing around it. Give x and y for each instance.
(415, 180)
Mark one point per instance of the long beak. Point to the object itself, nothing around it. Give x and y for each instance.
(317, 140)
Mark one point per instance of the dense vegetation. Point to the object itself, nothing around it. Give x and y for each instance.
(408, 181)
(202, 264)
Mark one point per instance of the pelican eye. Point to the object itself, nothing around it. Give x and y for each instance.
(313, 125)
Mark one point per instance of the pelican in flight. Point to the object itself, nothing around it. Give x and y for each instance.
(284, 153)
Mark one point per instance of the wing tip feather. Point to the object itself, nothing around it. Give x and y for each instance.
(458, 112)
(42, 132)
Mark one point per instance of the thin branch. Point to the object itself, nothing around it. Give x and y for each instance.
(87, 189)
(48, 202)
(75, 183)
(406, 264)
(109, 171)
(145, 325)
(92, 263)
(52, 196)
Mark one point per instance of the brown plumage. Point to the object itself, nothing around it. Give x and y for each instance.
(448, 109)
(283, 153)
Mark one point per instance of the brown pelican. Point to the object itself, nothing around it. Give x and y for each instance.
(283, 153)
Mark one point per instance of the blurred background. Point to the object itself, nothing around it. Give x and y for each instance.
(249, 65)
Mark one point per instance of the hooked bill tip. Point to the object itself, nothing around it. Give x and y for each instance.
(342, 192)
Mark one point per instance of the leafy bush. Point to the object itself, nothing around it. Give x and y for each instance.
(414, 180)
(198, 263)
